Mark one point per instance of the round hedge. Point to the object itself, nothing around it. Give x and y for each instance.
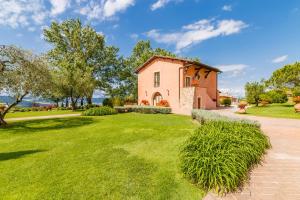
(219, 155)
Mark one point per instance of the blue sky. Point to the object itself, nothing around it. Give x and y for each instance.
(247, 39)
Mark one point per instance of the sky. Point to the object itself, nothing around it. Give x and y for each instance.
(246, 39)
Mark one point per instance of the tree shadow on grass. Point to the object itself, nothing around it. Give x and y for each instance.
(32, 126)
(17, 154)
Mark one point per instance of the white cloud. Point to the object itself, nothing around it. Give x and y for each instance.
(161, 3)
(280, 59)
(134, 36)
(105, 9)
(31, 29)
(16, 13)
(59, 6)
(227, 8)
(234, 69)
(197, 32)
(237, 91)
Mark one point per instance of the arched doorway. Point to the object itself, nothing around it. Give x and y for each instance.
(156, 98)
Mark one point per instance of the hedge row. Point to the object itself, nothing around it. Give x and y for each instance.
(143, 109)
(99, 111)
(203, 116)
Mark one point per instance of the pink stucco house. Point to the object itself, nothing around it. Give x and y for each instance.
(185, 84)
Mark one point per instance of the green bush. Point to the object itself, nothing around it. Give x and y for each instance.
(107, 102)
(226, 102)
(144, 109)
(274, 96)
(220, 154)
(99, 111)
(204, 116)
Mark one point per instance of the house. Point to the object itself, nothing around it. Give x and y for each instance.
(222, 96)
(185, 84)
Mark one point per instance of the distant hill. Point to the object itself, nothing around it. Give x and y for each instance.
(28, 101)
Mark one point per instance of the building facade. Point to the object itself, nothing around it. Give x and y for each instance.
(185, 84)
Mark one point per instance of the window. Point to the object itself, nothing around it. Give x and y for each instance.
(156, 79)
(187, 81)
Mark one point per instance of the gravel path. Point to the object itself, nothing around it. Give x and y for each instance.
(42, 117)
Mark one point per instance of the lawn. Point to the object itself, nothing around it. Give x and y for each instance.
(124, 156)
(39, 113)
(275, 110)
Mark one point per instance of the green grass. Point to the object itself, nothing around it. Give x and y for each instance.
(124, 156)
(39, 113)
(275, 110)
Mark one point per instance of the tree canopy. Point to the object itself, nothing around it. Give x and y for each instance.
(287, 77)
(22, 74)
(80, 59)
(253, 91)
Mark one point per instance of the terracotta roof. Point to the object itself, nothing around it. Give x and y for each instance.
(186, 61)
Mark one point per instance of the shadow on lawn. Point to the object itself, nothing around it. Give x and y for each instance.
(31, 126)
(17, 154)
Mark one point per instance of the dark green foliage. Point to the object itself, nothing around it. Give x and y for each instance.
(226, 102)
(104, 110)
(144, 109)
(107, 102)
(220, 154)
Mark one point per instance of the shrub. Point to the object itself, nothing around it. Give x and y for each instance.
(204, 116)
(265, 99)
(163, 103)
(277, 96)
(143, 109)
(145, 103)
(226, 102)
(104, 110)
(107, 102)
(219, 155)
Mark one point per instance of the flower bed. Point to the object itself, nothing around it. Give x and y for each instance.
(205, 116)
(143, 109)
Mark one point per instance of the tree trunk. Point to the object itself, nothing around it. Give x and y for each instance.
(2, 121)
(67, 102)
(74, 103)
(81, 102)
(2, 115)
(89, 100)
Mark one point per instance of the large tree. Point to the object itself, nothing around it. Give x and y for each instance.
(287, 77)
(22, 74)
(80, 58)
(253, 92)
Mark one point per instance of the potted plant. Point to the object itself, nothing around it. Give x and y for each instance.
(296, 99)
(145, 103)
(242, 107)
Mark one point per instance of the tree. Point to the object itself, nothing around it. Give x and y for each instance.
(127, 78)
(80, 58)
(23, 74)
(253, 92)
(287, 78)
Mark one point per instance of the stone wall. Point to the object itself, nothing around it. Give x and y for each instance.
(186, 100)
